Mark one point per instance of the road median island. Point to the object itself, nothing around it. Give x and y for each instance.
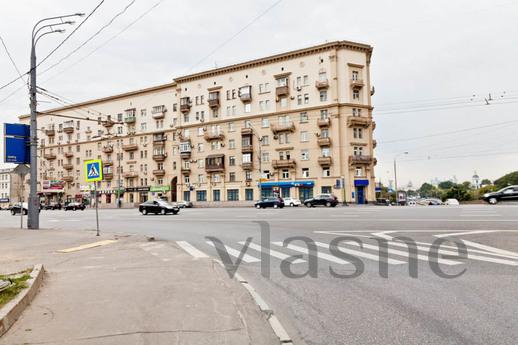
(132, 291)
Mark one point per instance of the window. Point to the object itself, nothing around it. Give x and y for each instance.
(216, 195)
(324, 133)
(306, 98)
(200, 131)
(248, 175)
(200, 147)
(187, 195)
(231, 144)
(304, 155)
(282, 82)
(324, 115)
(283, 102)
(266, 105)
(326, 172)
(233, 110)
(143, 126)
(357, 112)
(285, 174)
(201, 163)
(265, 122)
(231, 127)
(358, 133)
(305, 80)
(358, 151)
(265, 157)
(247, 157)
(322, 76)
(358, 171)
(215, 145)
(249, 194)
(265, 140)
(201, 195)
(304, 136)
(143, 112)
(248, 107)
(232, 177)
(284, 138)
(354, 75)
(325, 152)
(305, 172)
(303, 117)
(326, 189)
(323, 96)
(233, 194)
(186, 118)
(299, 99)
(231, 161)
(356, 94)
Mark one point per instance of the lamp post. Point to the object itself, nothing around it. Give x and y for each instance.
(395, 175)
(33, 221)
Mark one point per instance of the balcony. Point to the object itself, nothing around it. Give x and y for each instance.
(325, 161)
(68, 178)
(322, 84)
(107, 163)
(283, 164)
(247, 166)
(159, 172)
(324, 123)
(358, 121)
(282, 91)
(130, 174)
(215, 163)
(108, 123)
(247, 149)
(185, 104)
(247, 131)
(360, 160)
(158, 138)
(50, 132)
(357, 83)
(49, 156)
(68, 166)
(283, 127)
(160, 157)
(130, 147)
(108, 176)
(108, 149)
(214, 102)
(69, 154)
(68, 128)
(245, 94)
(322, 142)
(186, 170)
(158, 113)
(209, 136)
(130, 119)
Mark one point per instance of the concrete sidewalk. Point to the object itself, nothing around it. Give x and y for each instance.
(128, 292)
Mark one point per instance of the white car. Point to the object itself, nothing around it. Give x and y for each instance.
(453, 202)
(292, 202)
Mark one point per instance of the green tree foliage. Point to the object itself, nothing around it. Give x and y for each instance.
(506, 180)
(427, 190)
(445, 185)
(486, 182)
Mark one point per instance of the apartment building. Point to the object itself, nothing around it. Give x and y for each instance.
(5, 186)
(294, 124)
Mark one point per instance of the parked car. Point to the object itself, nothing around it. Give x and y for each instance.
(16, 209)
(289, 201)
(185, 204)
(52, 206)
(453, 202)
(382, 202)
(270, 202)
(327, 200)
(429, 202)
(158, 207)
(74, 206)
(505, 194)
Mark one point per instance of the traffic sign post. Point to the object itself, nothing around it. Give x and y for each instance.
(22, 171)
(94, 173)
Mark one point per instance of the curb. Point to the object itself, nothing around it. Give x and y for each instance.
(274, 322)
(12, 310)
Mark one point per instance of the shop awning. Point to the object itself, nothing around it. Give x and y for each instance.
(287, 184)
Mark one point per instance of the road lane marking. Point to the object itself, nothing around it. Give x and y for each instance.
(361, 254)
(235, 253)
(186, 246)
(466, 233)
(485, 252)
(87, 246)
(273, 253)
(322, 256)
(491, 249)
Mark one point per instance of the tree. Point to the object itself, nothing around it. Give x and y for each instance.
(460, 192)
(427, 190)
(445, 185)
(486, 182)
(506, 180)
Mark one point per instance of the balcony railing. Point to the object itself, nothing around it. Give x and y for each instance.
(68, 166)
(246, 97)
(130, 119)
(325, 161)
(68, 178)
(215, 168)
(282, 127)
(68, 129)
(324, 123)
(50, 132)
(69, 154)
(357, 121)
(107, 163)
(214, 136)
(185, 104)
(322, 142)
(159, 138)
(130, 174)
(282, 91)
(160, 157)
(49, 156)
(130, 147)
(108, 149)
(158, 115)
(214, 103)
(186, 170)
(108, 175)
(360, 159)
(247, 166)
(283, 163)
(247, 149)
(247, 131)
(159, 172)
(322, 84)
(357, 83)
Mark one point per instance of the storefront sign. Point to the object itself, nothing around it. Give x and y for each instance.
(4, 200)
(287, 184)
(160, 189)
(53, 186)
(137, 189)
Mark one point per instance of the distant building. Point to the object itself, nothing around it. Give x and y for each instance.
(5, 185)
(475, 181)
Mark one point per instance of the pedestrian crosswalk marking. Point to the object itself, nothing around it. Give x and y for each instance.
(273, 253)
(191, 250)
(361, 254)
(323, 256)
(235, 253)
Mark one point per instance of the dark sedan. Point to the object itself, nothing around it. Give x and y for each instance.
(270, 202)
(16, 209)
(52, 206)
(74, 206)
(505, 194)
(327, 200)
(158, 207)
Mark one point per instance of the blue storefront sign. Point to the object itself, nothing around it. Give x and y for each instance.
(287, 184)
(361, 183)
(16, 143)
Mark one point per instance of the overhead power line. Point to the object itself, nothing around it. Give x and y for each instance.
(12, 60)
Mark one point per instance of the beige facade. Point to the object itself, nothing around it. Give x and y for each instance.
(296, 124)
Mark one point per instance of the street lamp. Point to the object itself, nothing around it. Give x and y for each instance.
(395, 175)
(33, 221)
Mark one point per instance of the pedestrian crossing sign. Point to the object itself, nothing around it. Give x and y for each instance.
(93, 170)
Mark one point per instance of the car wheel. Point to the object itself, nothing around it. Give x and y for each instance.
(258, 207)
(175, 212)
(292, 204)
(163, 212)
(275, 206)
(493, 201)
(308, 204)
(328, 204)
(144, 212)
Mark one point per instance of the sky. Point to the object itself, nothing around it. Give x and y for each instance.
(444, 72)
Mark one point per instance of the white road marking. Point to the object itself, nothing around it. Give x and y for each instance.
(480, 215)
(235, 253)
(485, 252)
(191, 250)
(166, 259)
(361, 254)
(323, 256)
(492, 249)
(273, 253)
(466, 233)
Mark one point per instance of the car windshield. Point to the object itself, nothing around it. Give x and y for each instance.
(165, 203)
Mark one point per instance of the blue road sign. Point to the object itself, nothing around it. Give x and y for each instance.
(17, 130)
(93, 170)
(16, 150)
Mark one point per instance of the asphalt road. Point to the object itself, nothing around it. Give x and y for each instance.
(479, 307)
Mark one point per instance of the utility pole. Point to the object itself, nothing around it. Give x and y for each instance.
(119, 176)
(395, 176)
(33, 220)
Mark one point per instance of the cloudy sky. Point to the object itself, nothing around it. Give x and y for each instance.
(435, 64)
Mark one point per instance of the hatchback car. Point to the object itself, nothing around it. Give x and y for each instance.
(505, 194)
(158, 207)
(328, 200)
(74, 206)
(185, 204)
(289, 201)
(270, 202)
